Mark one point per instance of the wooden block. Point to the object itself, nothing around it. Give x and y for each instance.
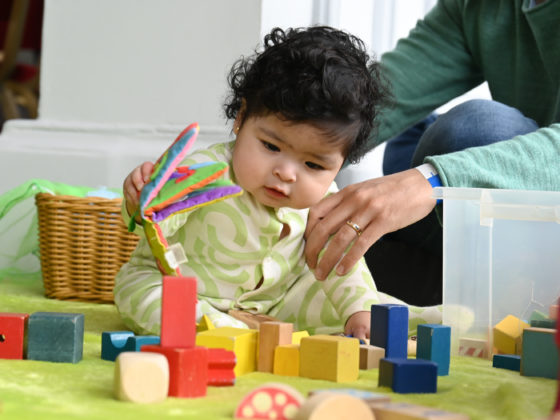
(507, 361)
(221, 365)
(537, 315)
(272, 334)
(270, 401)
(473, 347)
(205, 324)
(366, 396)
(286, 360)
(178, 312)
(241, 341)
(412, 346)
(115, 342)
(389, 329)
(408, 375)
(540, 356)
(141, 377)
(329, 357)
(553, 312)
(252, 320)
(55, 337)
(507, 334)
(543, 323)
(370, 356)
(434, 343)
(334, 406)
(298, 335)
(12, 335)
(405, 411)
(188, 369)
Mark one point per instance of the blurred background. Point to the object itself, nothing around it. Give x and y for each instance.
(91, 88)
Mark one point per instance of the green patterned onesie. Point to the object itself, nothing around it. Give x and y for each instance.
(234, 249)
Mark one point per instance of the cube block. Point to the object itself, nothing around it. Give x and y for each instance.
(241, 341)
(507, 335)
(188, 369)
(141, 377)
(370, 356)
(389, 329)
(408, 375)
(12, 335)
(286, 360)
(55, 337)
(434, 343)
(540, 355)
(329, 357)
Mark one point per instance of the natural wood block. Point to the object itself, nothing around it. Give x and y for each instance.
(406, 411)
(507, 334)
(473, 347)
(286, 360)
(55, 337)
(553, 312)
(141, 377)
(329, 357)
(370, 356)
(334, 406)
(368, 397)
(271, 334)
(252, 320)
(241, 341)
(178, 312)
(12, 335)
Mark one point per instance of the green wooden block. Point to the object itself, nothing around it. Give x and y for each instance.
(55, 337)
(540, 355)
(537, 315)
(543, 323)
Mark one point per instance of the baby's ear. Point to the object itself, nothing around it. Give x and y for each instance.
(240, 117)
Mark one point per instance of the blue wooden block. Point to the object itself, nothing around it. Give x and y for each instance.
(55, 337)
(114, 343)
(407, 376)
(507, 361)
(434, 343)
(389, 329)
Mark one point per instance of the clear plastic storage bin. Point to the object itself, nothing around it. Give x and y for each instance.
(501, 256)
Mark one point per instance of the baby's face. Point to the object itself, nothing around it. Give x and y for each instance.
(284, 164)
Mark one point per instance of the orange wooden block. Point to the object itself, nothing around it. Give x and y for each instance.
(553, 312)
(271, 334)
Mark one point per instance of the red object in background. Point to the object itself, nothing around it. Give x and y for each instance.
(178, 312)
(12, 335)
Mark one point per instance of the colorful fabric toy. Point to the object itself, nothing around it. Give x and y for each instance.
(174, 189)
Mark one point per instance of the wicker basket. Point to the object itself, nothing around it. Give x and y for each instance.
(83, 243)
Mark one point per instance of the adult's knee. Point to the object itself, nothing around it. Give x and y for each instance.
(472, 123)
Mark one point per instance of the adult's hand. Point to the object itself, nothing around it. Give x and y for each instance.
(377, 206)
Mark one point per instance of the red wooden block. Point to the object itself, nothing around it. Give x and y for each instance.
(178, 312)
(12, 335)
(188, 369)
(221, 363)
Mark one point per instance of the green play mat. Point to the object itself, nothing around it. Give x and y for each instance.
(43, 390)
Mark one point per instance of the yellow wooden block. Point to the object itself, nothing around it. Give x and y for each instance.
(370, 356)
(298, 335)
(205, 324)
(286, 360)
(329, 357)
(141, 377)
(508, 335)
(241, 341)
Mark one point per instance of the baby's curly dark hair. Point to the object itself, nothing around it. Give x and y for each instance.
(319, 75)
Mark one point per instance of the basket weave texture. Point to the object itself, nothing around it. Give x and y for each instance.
(83, 243)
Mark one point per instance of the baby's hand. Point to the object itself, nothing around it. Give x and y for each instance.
(134, 183)
(358, 325)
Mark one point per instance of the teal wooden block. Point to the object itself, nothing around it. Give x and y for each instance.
(507, 361)
(540, 355)
(434, 343)
(114, 343)
(543, 323)
(55, 337)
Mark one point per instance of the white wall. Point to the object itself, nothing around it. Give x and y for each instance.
(120, 79)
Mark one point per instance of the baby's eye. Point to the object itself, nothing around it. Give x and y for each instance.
(314, 166)
(270, 146)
